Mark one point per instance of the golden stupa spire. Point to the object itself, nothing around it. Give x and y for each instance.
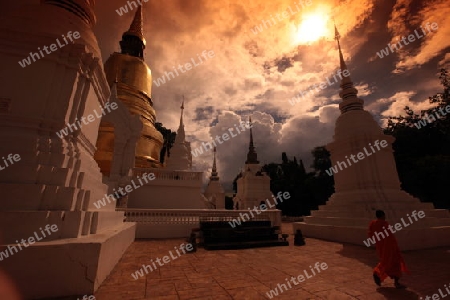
(137, 26)
(133, 41)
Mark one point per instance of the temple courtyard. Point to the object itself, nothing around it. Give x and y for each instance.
(251, 273)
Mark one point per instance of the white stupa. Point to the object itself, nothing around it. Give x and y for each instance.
(180, 158)
(370, 184)
(57, 178)
(176, 186)
(254, 185)
(214, 192)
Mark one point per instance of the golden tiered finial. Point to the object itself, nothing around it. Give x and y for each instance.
(137, 26)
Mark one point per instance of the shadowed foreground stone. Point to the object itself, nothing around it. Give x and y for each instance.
(250, 273)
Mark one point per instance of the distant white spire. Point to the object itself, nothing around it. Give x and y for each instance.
(348, 93)
(179, 154)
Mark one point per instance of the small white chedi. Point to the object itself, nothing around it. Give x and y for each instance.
(369, 185)
(176, 186)
(253, 187)
(214, 192)
(180, 155)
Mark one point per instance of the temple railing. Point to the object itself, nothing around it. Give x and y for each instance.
(195, 216)
(169, 175)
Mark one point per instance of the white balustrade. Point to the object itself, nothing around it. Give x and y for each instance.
(170, 223)
(169, 175)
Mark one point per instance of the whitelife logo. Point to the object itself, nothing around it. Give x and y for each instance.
(430, 118)
(342, 165)
(274, 292)
(262, 207)
(128, 189)
(438, 296)
(11, 158)
(31, 240)
(166, 259)
(35, 56)
(199, 150)
(124, 9)
(162, 80)
(379, 235)
(265, 24)
(86, 297)
(320, 86)
(411, 39)
(86, 120)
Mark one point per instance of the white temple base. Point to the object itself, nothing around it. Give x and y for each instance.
(408, 239)
(64, 267)
(169, 190)
(370, 183)
(346, 217)
(252, 188)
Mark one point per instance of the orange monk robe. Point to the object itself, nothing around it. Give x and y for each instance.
(391, 261)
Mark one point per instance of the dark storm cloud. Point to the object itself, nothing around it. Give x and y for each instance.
(253, 49)
(283, 64)
(203, 113)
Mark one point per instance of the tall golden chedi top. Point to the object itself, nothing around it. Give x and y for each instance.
(129, 43)
(134, 86)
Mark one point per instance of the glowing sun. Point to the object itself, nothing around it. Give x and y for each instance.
(312, 28)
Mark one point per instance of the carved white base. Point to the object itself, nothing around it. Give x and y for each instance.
(408, 239)
(346, 217)
(69, 266)
(169, 190)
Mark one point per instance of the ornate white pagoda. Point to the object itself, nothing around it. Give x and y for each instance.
(253, 187)
(176, 186)
(370, 184)
(214, 192)
(180, 158)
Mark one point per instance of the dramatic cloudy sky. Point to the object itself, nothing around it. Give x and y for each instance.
(256, 73)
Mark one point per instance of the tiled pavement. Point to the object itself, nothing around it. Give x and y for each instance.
(250, 273)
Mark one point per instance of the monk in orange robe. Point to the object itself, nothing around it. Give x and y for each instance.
(391, 261)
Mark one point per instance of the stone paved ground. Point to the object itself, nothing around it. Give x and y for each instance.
(250, 273)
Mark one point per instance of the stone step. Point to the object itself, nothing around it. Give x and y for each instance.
(382, 205)
(245, 245)
(382, 201)
(363, 222)
(226, 224)
(435, 213)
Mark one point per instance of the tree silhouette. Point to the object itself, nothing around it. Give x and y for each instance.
(422, 148)
(169, 139)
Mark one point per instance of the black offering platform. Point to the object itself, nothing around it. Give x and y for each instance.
(220, 235)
